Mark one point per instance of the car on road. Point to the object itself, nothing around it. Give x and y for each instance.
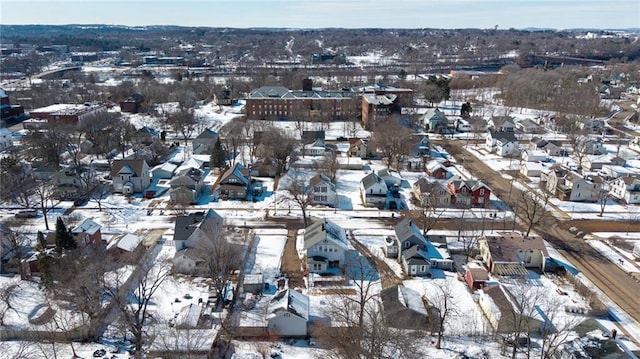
(27, 213)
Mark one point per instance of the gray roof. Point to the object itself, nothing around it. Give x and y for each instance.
(406, 229)
(324, 229)
(371, 179)
(290, 301)
(186, 225)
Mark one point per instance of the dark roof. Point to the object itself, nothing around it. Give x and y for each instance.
(504, 136)
(503, 245)
(371, 179)
(136, 165)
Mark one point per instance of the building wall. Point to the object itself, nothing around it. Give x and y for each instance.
(287, 325)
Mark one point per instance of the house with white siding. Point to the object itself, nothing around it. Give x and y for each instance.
(325, 244)
(288, 314)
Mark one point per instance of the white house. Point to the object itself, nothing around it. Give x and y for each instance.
(390, 178)
(6, 140)
(503, 143)
(325, 244)
(373, 190)
(323, 191)
(534, 155)
(626, 189)
(316, 148)
(531, 169)
(288, 314)
(130, 176)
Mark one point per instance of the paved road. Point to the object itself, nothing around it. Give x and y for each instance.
(618, 285)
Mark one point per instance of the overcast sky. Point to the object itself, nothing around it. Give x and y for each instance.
(559, 14)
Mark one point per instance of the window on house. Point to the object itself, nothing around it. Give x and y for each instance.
(423, 268)
(482, 191)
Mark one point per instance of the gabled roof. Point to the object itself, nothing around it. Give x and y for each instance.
(318, 178)
(129, 242)
(136, 166)
(407, 229)
(415, 255)
(289, 300)
(239, 171)
(207, 134)
(405, 297)
(503, 136)
(425, 185)
(87, 226)
(186, 225)
(471, 184)
(325, 229)
(386, 173)
(371, 180)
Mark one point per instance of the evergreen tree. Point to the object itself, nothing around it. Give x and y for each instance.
(465, 110)
(218, 156)
(64, 239)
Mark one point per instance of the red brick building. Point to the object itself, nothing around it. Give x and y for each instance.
(470, 193)
(72, 114)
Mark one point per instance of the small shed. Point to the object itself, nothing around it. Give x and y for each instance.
(253, 283)
(476, 277)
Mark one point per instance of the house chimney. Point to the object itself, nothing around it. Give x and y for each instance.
(307, 85)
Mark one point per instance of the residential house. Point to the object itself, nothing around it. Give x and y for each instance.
(317, 148)
(596, 162)
(373, 190)
(404, 308)
(437, 169)
(288, 314)
(503, 143)
(529, 126)
(469, 193)
(186, 186)
(234, 183)
(435, 120)
(164, 171)
(511, 254)
(391, 247)
(423, 146)
(592, 146)
(130, 176)
(145, 135)
(408, 235)
(611, 172)
(189, 261)
(194, 227)
(415, 261)
(570, 186)
(505, 313)
(358, 148)
(531, 169)
(534, 156)
(592, 125)
(325, 244)
(476, 276)
(323, 191)
(432, 193)
(391, 178)
(501, 124)
(67, 184)
(88, 232)
(264, 168)
(626, 189)
(552, 148)
(6, 139)
(204, 143)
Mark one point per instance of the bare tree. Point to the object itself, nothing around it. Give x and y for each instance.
(17, 182)
(183, 122)
(133, 301)
(576, 136)
(443, 306)
(276, 146)
(603, 197)
(8, 292)
(296, 189)
(178, 343)
(329, 165)
(394, 142)
(14, 242)
(44, 191)
(221, 257)
(533, 208)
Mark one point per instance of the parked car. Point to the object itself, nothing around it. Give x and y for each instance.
(27, 213)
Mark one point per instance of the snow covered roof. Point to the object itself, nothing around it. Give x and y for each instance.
(87, 226)
(372, 179)
(291, 301)
(188, 316)
(324, 229)
(129, 242)
(3, 94)
(406, 229)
